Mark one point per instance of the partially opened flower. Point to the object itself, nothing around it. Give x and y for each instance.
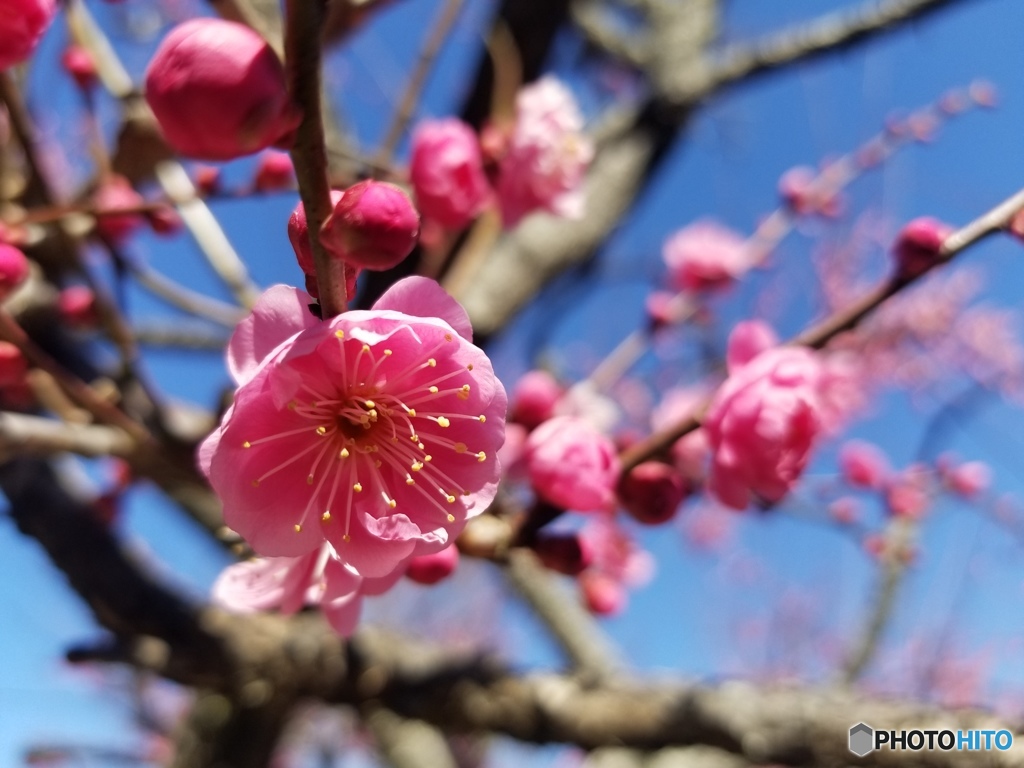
(377, 430)
(447, 172)
(705, 255)
(572, 465)
(762, 425)
(547, 155)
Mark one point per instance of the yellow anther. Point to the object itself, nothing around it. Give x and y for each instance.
(346, 538)
(481, 456)
(482, 419)
(410, 411)
(466, 493)
(387, 352)
(469, 367)
(298, 528)
(416, 466)
(447, 337)
(421, 446)
(450, 499)
(358, 487)
(247, 444)
(366, 347)
(326, 517)
(340, 334)
(370, 404)
(443, 422)
(460, 447)
(432, 390)
(321, 431)
(410, 481)
(392, 503)
(309, 480)
(432, 363)
(343, 454)
(428, 457)
(451, 518)
(414, 438)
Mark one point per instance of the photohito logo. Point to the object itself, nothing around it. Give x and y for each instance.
(864, 739)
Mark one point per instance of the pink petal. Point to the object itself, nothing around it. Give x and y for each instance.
(280, 313)
(423, 297)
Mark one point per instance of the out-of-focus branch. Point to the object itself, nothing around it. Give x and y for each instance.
(587, 647)
(23, 435)
(410, 98)
(163, 334)
(588, 17)
(303, 22)
(407, 743)
(185, 298)
(825, 34)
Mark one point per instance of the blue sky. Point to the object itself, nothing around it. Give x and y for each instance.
(689, 619)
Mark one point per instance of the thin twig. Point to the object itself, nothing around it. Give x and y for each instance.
(185, 298)
(410, 98)
(303, 24)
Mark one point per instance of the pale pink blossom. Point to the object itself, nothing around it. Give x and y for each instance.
(287, 584)
(13, 269)
(705, 255)
(747, 340)
(114, 194)
(762, 424)
(447, 173)
(218, 91)
(572, 465)
(863, 464)
(534, 397)
(373, 226)
(546, 157)
(377, 430)
(652, 492)
(970, 479)
(22, 24)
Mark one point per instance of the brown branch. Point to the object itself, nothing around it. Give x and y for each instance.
(24, 435)
(303, 21)
(588, 18)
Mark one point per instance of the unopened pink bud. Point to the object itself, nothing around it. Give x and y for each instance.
(218, 91)
(844, 511)
(77, 307)
(747, 340)
(164, 220)
(78, 63)
(13, 269)
(207, 179)
(22, 23)
(602, 594)
(534, 398)
(970, 479)
(905, 499)
(652, 492)
(567, 553)
(115, 194)
(374, 226)
(447, 173)
(863, 465)
(919, 245)
(298, 234)
(12, 364)
(430, 569)
(274, 172)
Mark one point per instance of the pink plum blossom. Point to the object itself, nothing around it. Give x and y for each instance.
(13, 364)
(572, 465)
(746, 341)
(373, 226)
(970, 479)
(762, 424)
(534, 398)
(274, 171)
(546, 157)
(705, 255)
(116, 194)
(77, 307)
(863, 464)
(617, 564)
(287, 584)
(218, 91)
(918, 245)
(690, 452)
(13, 269)
(78, 63)
(22, 23)
(376, 430)
(447, 173)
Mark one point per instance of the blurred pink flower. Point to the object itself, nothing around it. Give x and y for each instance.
(863, 464)
(377, 430)
(969, 479)
(533, 398)
(762, 425)
(918, 244)
(22, 23)
(652, 492)
(617, 564)
(218, 91)
(447, 172)
(545, 162)
(114, 194)
(13, 269)
(705, 255)
(274, 171)
(572, 465)
(435, 567)
(747, 340)
(690, 452)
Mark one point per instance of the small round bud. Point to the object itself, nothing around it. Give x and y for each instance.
(78, 63)
(298, 234)
(430, 569)
(567, 553)
(863, 465)
(218, 91)
(602, 594)
(164, 220)
(274, 172)
(969, 480)
(13, 269)
(534, 398)
(918, 246)
(115, 194)
(12, 364)
(22, 23)
(77, 307)
(652, 492)
(374, 226)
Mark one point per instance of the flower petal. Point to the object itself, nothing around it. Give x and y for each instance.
(423, 297)
(280, 313)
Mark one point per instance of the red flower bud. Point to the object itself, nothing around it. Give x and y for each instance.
(652, 492)
(430, 569)
(374, 226)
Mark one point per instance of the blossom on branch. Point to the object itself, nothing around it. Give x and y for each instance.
(447, 173)
(22, 23)
(377, 430)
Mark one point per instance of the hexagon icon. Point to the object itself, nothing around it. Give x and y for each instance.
(862, 739)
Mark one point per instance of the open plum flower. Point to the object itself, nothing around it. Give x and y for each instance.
(377, 430)
(287, 584)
